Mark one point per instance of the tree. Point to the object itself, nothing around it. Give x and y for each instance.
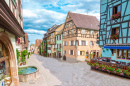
(46, 48)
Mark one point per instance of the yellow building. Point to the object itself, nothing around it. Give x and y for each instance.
(53, 39)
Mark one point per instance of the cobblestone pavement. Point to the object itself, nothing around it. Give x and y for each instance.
(59, 73)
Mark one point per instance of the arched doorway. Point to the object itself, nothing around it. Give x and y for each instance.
(8, 59)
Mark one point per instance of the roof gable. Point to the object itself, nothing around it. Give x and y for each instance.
(84, 21)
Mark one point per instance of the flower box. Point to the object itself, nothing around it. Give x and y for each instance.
(116, 16)
(115, 36)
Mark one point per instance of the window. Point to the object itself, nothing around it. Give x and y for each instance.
(57, 38)
(91, 43)
(66, 26)
(72, 31)
(68, 32)
(71, 52)
(83, 43)
(65, 43)
(81, 53)
(65, 33)
(65, 52)
(72, 43)
(70, 24)
(91, 32)
(123, 54)
(83, 31)
(116, 9)
(77, 42)
(115, 30)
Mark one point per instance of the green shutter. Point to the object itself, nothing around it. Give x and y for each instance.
(14, 2)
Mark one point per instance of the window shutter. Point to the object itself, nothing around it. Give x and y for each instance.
(69, 51)
(69, 42)
(79, 42)
(73, 52)
(56, 45)
(58, 37)
(74, 43)
(66, 43)
(86, 42)
(79, 53)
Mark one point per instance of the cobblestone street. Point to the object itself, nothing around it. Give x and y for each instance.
(59, 73)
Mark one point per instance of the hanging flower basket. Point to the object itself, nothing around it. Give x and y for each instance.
(115, 36)
(116, 16)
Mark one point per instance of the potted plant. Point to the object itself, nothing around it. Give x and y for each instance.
(119, 71)
(116, 16)
(123, 57)
(115, 36)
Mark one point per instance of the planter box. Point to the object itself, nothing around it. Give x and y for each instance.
(125, 76)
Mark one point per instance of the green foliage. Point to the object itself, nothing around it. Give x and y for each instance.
(46, 48)
(101, 55)
(23, 56)
(18, 55)
(40, 50)
(28, 54)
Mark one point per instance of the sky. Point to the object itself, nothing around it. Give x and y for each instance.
(40, 15)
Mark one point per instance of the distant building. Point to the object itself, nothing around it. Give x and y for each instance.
(37, 43)
(80, 37)
(59, 39)
(32, 48)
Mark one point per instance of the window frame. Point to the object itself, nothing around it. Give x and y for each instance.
(117, 9)
(117, 28)
(122, 54)
(83, 32)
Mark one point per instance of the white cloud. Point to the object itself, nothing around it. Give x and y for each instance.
(35, 31)
(29, 13)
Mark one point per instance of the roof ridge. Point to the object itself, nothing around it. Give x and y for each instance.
(81, 14)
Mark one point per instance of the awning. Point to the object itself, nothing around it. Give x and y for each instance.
(118, 47)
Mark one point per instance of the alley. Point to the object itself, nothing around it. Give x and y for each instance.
(54, 72)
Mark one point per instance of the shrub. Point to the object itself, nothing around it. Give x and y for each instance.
(18, 55)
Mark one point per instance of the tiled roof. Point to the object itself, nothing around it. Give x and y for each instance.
(85, 21)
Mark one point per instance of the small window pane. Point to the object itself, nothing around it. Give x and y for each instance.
(120, 51)
(119, 8)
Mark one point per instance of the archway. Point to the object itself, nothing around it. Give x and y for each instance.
(5, 39)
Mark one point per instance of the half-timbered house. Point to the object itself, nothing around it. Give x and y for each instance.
(80, 37)
(115, 29)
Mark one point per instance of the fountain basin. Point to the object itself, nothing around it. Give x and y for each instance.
(28, 73)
